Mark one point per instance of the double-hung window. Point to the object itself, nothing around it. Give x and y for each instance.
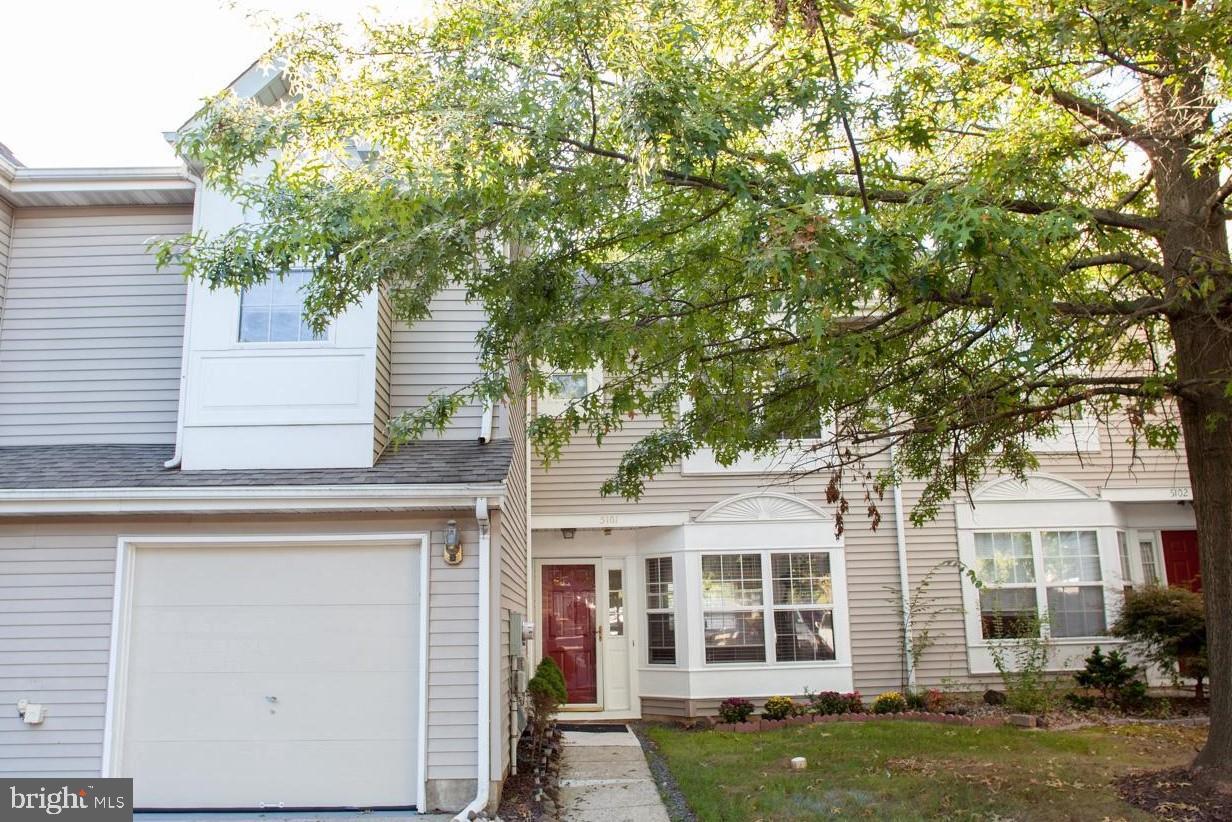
(803, 607)
(1074, 582)
(768, 606)
(1005, 563)
(660, 611)
(733, 606)
(1029, 573)
(274, 311)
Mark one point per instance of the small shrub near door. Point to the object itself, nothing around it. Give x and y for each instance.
(1168, 626)
(891, 702)
(551, 676)
(778, 707)
(735, 710)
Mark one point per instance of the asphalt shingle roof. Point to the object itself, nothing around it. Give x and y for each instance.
(436, 462)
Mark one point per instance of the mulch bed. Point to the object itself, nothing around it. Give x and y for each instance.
(518, 796)
(1176, 796)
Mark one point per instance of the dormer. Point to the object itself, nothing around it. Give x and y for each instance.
(261, 389)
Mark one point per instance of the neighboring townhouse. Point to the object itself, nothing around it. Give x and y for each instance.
(214, 575)
(218, 578)
(731, 581)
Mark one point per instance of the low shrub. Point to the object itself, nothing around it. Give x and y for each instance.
(1107, 673)
(891, 702)
(826, 703)
(550, 674)
(1168, 627)
(735, 709)
(778, 707)
(931, 701)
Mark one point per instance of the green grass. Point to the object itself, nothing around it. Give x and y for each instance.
(911, 770)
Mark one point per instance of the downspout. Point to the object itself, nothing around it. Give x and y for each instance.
(900, 531)
(178, 456)
(482, 736)
(485, 423)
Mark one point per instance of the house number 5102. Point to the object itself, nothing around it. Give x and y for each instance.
(608, 520)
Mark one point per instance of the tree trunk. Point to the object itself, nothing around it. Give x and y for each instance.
(1204, 347)
(1195, 247)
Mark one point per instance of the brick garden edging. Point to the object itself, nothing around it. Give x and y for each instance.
(754, 725)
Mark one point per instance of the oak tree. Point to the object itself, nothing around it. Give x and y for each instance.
(945, 226)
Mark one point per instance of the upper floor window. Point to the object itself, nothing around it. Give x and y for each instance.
(568, 387)
(274, 311)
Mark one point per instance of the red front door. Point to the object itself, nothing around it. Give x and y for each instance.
(569, 628)
(1181, 559)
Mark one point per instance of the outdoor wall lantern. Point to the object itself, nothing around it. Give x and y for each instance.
(567, 533)
(453, 544)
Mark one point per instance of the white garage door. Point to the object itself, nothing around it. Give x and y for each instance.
(261, 675)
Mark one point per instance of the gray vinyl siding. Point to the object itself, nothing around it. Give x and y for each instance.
(6, 232)
(384, 340)
(92, 332)
(513, 559)
(56, 593)
(438, 355)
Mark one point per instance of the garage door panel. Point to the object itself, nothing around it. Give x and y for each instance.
(302, 778)
(226, 706)
(245, 575)
(232, 638)
(330, 632)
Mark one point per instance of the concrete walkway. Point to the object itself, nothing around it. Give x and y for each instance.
(604, 778)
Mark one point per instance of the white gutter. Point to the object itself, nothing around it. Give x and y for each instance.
(245, 498)
(178, 456)
(485, 423)
(483, 765)
(900, 532)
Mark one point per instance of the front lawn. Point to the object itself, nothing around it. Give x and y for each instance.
(913, 770)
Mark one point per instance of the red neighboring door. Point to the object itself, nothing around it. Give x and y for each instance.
(569, 628)
(1181, 559)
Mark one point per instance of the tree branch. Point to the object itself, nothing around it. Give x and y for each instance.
(1132, 260)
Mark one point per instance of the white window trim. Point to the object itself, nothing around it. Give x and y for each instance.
(1067, 651)
(703, 461)
(1079, 436)
(547, 404)
(1041, 585)
(236, 342)
(674, 611)
(837, 608)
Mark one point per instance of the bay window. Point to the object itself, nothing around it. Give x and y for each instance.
(768, 606)
(660, 611)
(1029, 573)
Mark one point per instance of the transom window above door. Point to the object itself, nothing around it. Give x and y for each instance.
(274, 311)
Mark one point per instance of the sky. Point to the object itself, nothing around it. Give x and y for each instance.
(97, 82)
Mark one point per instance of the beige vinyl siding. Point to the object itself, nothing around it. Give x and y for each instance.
(513, 560)
(56, 592)
(438, 355)
(571, 485)
(92, 331)
(6, 232)
(384, 339)
(1118, 464)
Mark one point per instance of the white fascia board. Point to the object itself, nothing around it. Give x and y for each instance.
(228, 499)
(1176, 493)
(17, 183)
(613, 520)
